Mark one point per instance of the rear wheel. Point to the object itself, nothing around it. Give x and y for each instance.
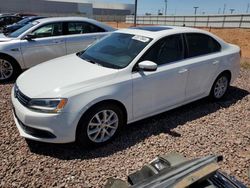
(9, 69)
(100, 125)
(220, 87)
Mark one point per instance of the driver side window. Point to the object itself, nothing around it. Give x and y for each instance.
(166, 50)
(49, 30)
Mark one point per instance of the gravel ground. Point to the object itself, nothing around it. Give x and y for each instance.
(195, 130)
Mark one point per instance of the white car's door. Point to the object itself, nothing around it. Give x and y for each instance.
(48, 43)
(203, 59)
(81, 34)
(155, 91)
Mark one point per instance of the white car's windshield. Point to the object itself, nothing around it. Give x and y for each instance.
(116, 50)
(18, 32)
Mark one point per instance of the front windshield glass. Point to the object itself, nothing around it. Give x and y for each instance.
(20, 31)
(24, 21)
(116, 50)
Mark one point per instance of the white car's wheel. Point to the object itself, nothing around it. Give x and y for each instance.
(100, 125)
(8, 69)
(220, 87)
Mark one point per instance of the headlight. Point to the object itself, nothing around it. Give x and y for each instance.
(47, 105)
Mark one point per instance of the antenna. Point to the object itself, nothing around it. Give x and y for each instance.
(248, 6)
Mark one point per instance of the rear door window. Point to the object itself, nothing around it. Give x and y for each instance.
(82, 28)
(201, 44)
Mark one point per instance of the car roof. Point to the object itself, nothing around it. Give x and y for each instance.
(159, 31)
(59, 19)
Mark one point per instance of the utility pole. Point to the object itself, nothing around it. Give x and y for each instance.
(248, 6)
(219, 10)
(224, 9)
(195, 10)
(166, 7)
(232, 10)
(135, 16)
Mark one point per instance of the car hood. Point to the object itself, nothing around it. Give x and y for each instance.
(3, 38)
(59, 76)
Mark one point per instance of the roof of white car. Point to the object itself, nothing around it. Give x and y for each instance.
(60, 19)
(158, 31)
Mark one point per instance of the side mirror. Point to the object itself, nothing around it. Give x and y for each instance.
(30, 36)
(147, 66)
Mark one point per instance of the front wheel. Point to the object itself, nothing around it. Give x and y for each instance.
(220, 87)
(9, 69)
(100, 125)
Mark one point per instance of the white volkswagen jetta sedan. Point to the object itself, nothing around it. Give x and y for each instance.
(129, 75)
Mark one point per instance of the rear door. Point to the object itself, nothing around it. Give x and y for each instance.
(203, 59)
(81, 34)
(48, 44)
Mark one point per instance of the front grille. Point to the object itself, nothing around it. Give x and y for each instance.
(23, 99)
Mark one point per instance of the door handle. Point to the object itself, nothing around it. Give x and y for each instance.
(215, 62)
(182, 71)
(58, 41)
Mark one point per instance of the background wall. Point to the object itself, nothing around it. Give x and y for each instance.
(217, 21)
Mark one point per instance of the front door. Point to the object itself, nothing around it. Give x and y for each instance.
(155, 91)
(48, 43)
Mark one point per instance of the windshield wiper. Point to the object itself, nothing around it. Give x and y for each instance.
(91, 61)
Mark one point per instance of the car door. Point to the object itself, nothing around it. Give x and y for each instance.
(81, 34)
(155, 91)
(48, 43)
(203, 60)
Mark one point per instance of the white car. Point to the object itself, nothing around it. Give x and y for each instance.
(127, 76)
(45, 39)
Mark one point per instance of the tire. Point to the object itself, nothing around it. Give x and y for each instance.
(9, 69)
(90, 130)
(220, 87)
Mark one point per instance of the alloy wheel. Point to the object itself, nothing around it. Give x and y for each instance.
(102, 126)
(6, 69)
(220, 87)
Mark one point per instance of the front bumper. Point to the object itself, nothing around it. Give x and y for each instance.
(44, 127)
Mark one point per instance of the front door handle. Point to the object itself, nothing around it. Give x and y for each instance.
(182, 71)
(58, 41)
(215, 62)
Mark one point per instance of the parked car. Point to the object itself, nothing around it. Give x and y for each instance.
(8, 19)
(46, 39)
(25, 14)
(174, 170)
(13, 27)
(129, 75)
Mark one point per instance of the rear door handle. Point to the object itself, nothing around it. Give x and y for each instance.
(182, 71)
(215, 62)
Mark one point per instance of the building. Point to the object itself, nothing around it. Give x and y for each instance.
(67, 8)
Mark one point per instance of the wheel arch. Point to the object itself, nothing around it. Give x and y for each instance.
(103, 102)
(12, 58)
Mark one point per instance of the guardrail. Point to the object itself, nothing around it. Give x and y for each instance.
(217, 21)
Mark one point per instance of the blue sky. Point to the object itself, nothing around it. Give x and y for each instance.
(181, 7)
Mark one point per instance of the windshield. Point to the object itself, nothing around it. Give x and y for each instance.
(20, 31)
(24, 21)
(116, 50)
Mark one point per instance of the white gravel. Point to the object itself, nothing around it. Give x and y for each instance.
(195, 130)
